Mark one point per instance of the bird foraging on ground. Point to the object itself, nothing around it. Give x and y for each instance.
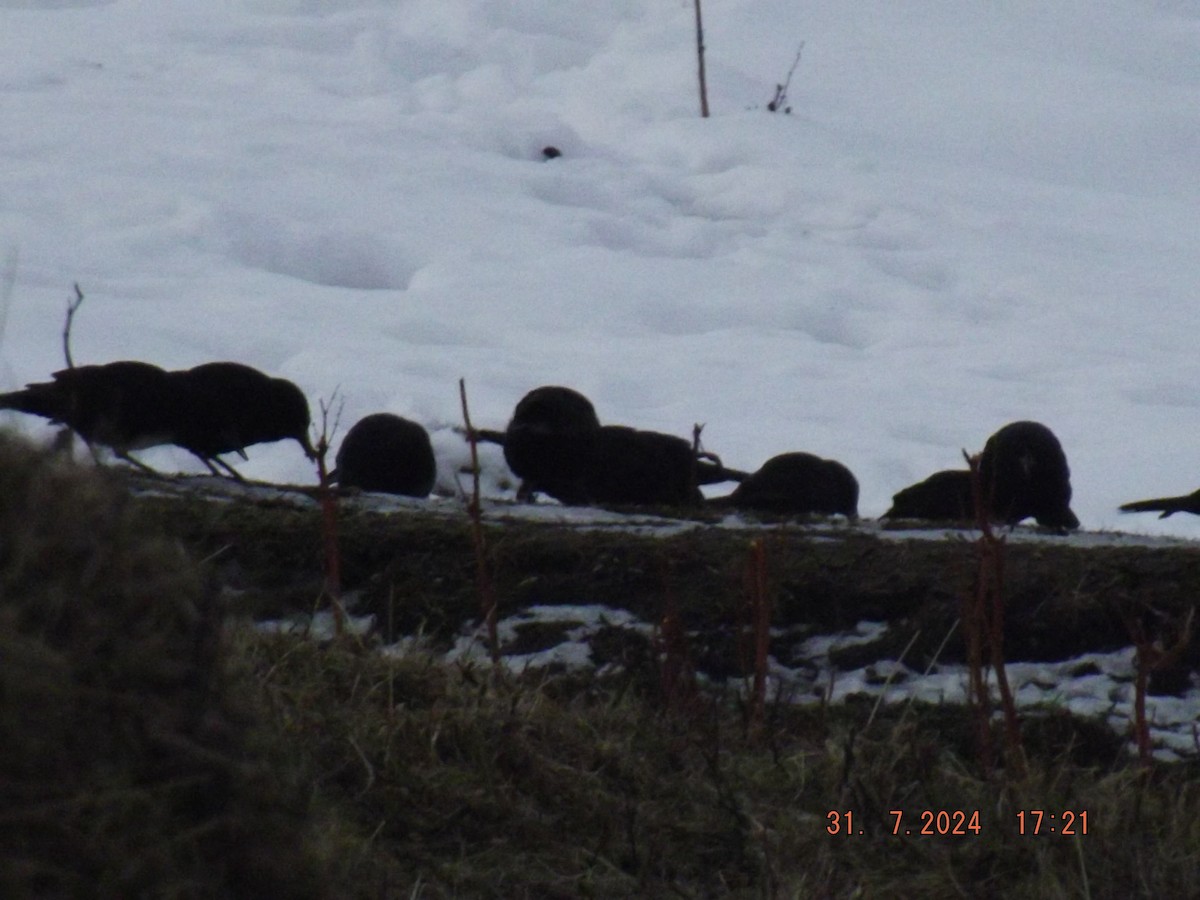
(627, 466)
(557, 446)
(229, 406)
(943, 496)
(386, 453)
(125, 405)
(211, 409)
(1023, 473)
(797, 484)
(548, 439)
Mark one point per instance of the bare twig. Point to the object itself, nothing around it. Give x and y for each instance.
(700, 56)
(1149, 657)
(329, 529)
(983, 622)
(779, 101)
(66, 439)
(678, 675)
(759, 603)
(72, 308)
(487, 593)
(973, 631)
(7, 283)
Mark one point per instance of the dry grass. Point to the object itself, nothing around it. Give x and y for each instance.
(130, 764)
(456, 782)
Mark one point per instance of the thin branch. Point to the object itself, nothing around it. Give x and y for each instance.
(329, 510)
(780, 99)
(700, 56)
(487, 593)
(72, 308)
(7, 283)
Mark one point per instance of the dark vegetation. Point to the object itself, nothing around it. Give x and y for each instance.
(136, 757)
(155, 745)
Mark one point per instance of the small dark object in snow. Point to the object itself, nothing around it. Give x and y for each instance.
(1166, 506)
(125, 405)
(798, 483)
(1023, 472)
(551, 152)
(230, 406)
(943, 496)
(384, 452)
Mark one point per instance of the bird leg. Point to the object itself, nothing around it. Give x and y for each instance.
(210, 461)
(233, 473)
(137, 463)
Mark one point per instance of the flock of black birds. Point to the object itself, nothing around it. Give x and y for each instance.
(554, 443)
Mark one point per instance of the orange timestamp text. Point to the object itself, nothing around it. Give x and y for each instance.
(961, 822)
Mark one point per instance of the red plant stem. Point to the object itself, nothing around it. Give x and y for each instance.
(677, 676)
(329, 539)
(1012, 725)
(973, 616)
(760, 607)
(1141, 726)
(487, 594)
(986, 622)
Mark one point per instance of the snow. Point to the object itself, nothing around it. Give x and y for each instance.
(973, 214)
(1094, 685)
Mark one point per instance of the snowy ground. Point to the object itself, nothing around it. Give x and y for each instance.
(973, 214)
(1097, 686)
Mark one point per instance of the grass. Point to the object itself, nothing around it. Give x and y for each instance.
(456, 782)
(133, 761)
(153, 743)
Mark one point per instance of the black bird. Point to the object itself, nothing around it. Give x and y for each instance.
(387, 453)
(1166, 506)
(229, 406)
(798, 483)
(631, 466)
(627, 466)
(125, 405)
(549, 438)
(943, 496)
(557, 446)
(1023, 472)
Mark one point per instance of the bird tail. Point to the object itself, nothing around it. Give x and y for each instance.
(35, 400)
(1165, 506)
(486, 435)
(710, 470)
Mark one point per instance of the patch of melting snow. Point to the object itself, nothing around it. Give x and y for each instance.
(320, 626)
(573, 652)
(1093, 685)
